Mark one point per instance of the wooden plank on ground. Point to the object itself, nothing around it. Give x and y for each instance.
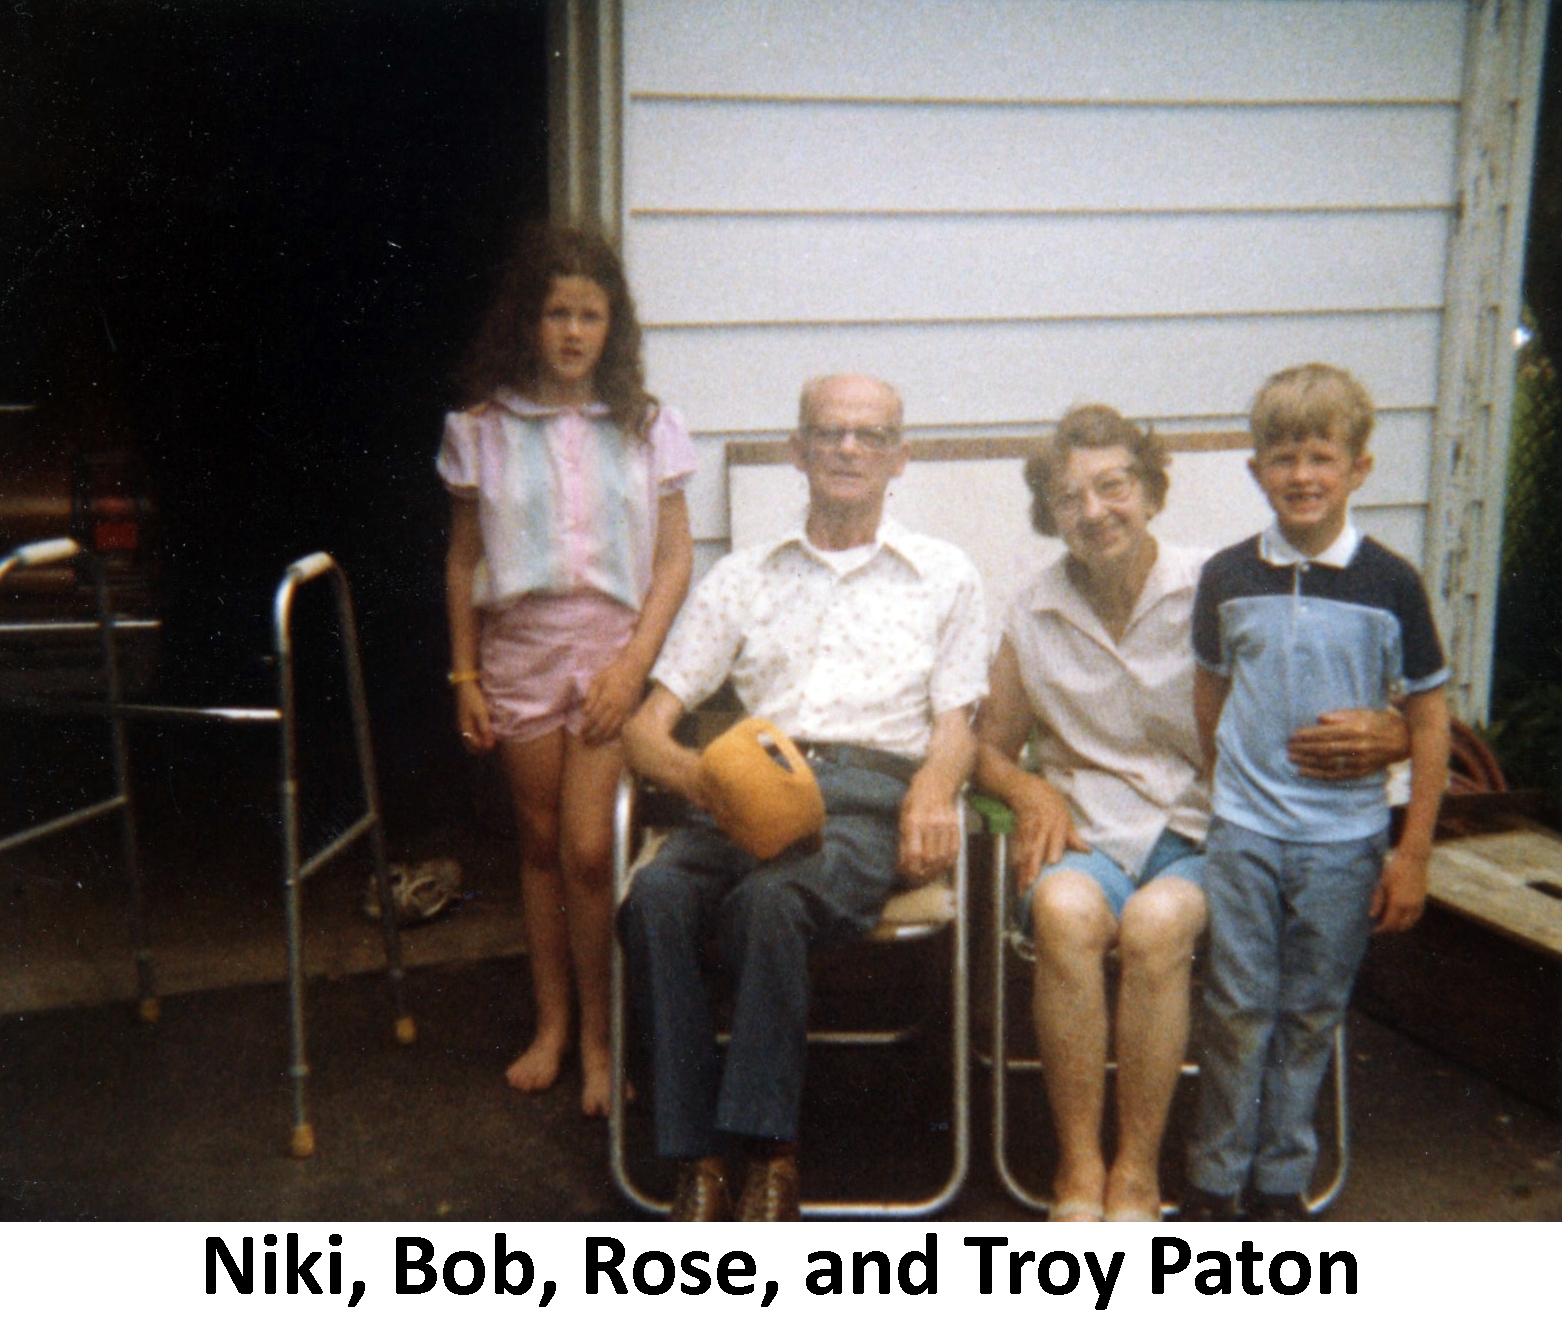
(1488, 879)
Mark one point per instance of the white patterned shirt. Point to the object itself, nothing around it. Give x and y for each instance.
(1116, 737)
(868, 657)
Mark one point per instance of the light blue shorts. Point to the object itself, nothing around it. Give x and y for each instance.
(1172, 854)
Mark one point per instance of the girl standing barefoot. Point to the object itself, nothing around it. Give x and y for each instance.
(569, 557)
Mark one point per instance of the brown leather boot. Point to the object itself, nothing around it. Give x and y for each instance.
(702, 1194)
(770, 1189)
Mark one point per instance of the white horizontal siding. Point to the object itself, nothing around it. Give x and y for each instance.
(1007, 207)
(1400, 529)
(707, 492)
(738, 379)
(828, 269)
(1114, 49)
(1401, 450)
(706, 554)
(725, 157)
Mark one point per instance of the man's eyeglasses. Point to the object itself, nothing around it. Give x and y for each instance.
(870, 438)
(1111, 488)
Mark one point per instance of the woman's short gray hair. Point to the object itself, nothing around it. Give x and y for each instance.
(1093, 427)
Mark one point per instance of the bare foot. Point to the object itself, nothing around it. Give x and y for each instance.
(1077, 1193)
(537, 1068)
(1132, 1195)
(596, 1079)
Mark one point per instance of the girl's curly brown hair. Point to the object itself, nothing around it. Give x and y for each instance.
(504, 351)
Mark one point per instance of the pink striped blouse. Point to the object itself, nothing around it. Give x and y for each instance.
(565, 503)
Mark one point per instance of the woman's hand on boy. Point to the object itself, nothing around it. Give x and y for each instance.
(1401, 893)
(611, 698)
(1351, 743)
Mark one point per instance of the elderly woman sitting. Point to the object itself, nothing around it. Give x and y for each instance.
(1096, 657)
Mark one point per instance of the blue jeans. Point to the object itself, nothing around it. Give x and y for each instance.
(1173, 855)
(1289, 925)
(766, 919)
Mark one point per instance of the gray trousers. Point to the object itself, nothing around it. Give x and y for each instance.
(765, 919)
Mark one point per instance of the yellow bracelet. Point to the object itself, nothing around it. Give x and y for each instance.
(461, 677)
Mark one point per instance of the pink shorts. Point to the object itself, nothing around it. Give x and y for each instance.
(540, 653)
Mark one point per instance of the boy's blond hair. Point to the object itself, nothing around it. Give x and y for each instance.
(1313, 399)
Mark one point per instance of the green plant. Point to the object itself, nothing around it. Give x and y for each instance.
(1526, 736)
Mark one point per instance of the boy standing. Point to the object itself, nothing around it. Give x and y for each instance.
(1306, 617)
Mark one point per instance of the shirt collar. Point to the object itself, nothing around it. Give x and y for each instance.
(1056, 591)
(1273, 548)
(525, 408)
(891, 536)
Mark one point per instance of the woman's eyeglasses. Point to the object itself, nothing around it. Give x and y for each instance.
(1111, 488)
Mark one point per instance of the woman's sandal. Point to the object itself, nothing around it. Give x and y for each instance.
(420, 892)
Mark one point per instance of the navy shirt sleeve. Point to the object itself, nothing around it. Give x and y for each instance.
(1206, 624)
(1423, 662)
(1216, 584)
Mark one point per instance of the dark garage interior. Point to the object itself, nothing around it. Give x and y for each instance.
(251, 236)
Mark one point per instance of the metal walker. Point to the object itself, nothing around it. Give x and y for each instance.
(49, 553)
(295, 869)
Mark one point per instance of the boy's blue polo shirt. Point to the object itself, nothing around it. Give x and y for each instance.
(1298, 637)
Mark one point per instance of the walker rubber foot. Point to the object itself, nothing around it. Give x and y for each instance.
(149, 1010)
(406, 1030)
(302, 1144)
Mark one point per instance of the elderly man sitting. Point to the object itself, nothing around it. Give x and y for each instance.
(867, 645)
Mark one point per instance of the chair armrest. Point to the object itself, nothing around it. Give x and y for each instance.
(997, 818)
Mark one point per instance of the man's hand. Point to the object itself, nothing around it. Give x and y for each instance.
(929, 831)
(1401, 893)
(929, 814)
(1345, 745)
(1043, 829)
